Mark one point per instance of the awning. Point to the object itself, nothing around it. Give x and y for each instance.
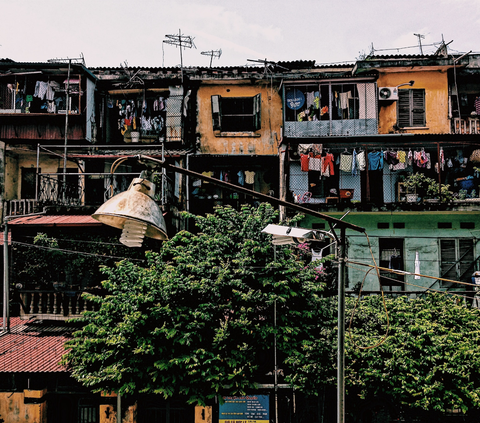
(56, 220)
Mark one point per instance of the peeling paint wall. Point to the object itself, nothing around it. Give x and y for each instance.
(434, 82)
(265, 140)
(14, 410)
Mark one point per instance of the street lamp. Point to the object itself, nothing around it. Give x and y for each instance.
(118, 213)
(283, 235)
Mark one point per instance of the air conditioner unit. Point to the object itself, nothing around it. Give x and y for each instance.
(388, 93)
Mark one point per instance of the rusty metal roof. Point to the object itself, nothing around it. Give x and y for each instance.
(34, 346)
(56, 220)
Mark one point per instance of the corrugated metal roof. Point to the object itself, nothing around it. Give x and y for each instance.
(2, 239)
(99, 153)
(33, 346)
(56, 220)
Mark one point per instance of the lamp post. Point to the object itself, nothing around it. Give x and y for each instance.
(115, 213)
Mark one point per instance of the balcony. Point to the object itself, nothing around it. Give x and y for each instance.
(469, 125)
(52, 304)
(331, 128)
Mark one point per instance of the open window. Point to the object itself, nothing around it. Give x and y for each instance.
(236, 114)
(411, 108)
(456, 260)
(391, 257)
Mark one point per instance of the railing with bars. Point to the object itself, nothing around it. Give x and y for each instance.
(54, 305)
(381, 174)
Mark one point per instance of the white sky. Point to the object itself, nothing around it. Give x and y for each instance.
(110, 32)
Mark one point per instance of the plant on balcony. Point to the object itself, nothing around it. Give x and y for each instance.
(428, 188)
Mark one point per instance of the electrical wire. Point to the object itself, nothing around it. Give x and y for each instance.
(41, 247)
(382, 340)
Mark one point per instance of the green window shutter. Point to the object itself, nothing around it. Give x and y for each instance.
(216, 113)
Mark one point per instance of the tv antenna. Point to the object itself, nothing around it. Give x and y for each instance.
(80, 60)
(268, 65)
(212, 54)
(182, 41)
(420, 37)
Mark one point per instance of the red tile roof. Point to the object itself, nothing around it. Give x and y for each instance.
(33, 346)
(56, 220)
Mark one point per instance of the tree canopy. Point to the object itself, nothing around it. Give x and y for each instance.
(199, 319)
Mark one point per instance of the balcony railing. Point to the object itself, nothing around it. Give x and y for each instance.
(52, 305)
(470, 125)
(331, 128)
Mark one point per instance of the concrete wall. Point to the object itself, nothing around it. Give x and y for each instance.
(271, 120)
(14, 410)
(435, 84)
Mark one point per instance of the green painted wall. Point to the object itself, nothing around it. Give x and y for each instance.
(421, 233)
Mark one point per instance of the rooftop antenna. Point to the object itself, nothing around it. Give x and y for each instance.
(212, 54)
(420, 37)
(78, 60)
(268, 65)
(182, 41)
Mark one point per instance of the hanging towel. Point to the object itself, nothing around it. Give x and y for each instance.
(417, 266)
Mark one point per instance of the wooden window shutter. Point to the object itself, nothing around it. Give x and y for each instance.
(418, 107)
(216, 113)
(411, 108)
(257, 105)
(403, 108)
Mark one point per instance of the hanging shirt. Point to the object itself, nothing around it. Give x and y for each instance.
(375, 160)
(346, 162)
(361, 162)
(315, 162)
(241, 177)
(249, 176)
(304, 158)
(327, 165)
(354, 163)
(477, 105)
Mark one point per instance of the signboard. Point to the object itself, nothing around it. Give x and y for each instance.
(245, 409)
(295, 99)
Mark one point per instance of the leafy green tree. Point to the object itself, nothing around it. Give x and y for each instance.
(422, 356)
(199, 319)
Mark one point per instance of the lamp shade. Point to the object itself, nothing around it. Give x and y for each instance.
(135, 212)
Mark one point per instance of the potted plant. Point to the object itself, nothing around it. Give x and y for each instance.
(427, 188)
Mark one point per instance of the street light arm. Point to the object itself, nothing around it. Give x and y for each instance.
(267, 198)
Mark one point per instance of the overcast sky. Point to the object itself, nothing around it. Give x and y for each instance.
(111, 32)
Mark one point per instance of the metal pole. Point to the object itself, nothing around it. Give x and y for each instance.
(341, 329)
(67, 111)
(6, 284)
(119, 408)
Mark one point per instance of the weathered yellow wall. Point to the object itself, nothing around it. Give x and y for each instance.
(436, 100)
(13, 170)
(271, 120)
(14, 410)
(203, 414)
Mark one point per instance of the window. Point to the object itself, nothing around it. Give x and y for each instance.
(411, 108)
(236, 114)
(391, 257)
(456, 260)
